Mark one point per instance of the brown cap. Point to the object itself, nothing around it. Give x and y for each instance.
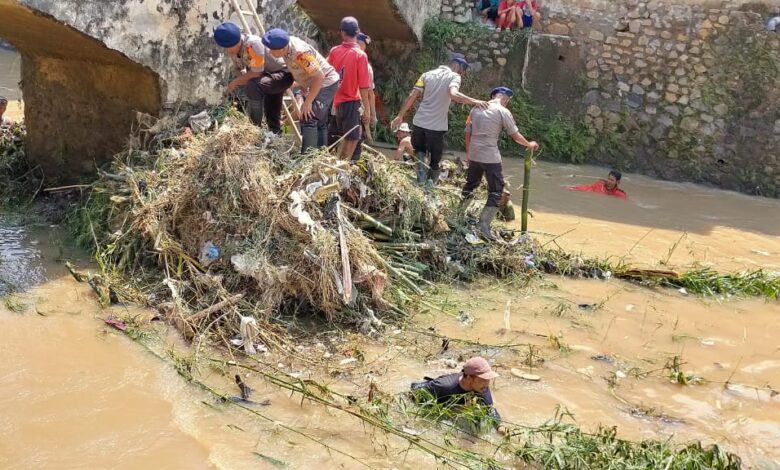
(479, 367)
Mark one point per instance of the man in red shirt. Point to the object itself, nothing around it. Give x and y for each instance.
(351, 63)
(608, 186)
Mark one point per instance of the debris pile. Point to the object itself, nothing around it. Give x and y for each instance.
(17, 178)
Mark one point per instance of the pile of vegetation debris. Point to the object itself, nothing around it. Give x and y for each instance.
(225, 230)
(19, 181)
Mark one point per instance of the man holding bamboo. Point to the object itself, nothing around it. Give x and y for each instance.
(483, 129)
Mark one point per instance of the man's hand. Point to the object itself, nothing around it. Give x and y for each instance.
(533, 145)
(396, 123)
(366, 118)
(232, 86)
(307, 113)
(482, 104)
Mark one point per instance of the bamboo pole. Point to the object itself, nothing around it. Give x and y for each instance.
(529, 159)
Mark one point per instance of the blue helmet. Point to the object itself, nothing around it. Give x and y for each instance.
(502, 90)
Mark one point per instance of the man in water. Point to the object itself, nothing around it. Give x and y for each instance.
(263, 77)
(4, 120)
(609, 186)
(351, 63)
(436, 89)
(472, 381)
(405, 151)
(483, 129)
(317, 79)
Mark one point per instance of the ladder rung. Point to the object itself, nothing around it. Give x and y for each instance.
(247, 12)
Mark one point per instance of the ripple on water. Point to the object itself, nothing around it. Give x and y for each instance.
(21, 264)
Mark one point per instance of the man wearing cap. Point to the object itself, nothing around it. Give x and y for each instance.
(436, 89)
(363, 41)
(405, 150)
(317, 79)
(351, 64)
(263, 77)
(474, 379)
(483, 129)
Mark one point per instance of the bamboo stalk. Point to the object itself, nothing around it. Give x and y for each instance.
(206, 312)
(529, 158)
(370, 220)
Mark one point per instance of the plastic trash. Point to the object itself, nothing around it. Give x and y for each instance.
(200, 122)
(209, 252)
(116, 323)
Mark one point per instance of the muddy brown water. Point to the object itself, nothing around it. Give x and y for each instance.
(78, 394)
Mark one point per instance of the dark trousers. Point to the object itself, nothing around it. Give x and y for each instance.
(315, 130)
(428, 141)
(493, 172)
(266, 97)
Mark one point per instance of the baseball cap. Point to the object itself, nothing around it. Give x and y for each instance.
(276, 39)
(350, 26)
(404, 127)
(364, 38)
(479, 367)
(460, 61)
(227, 34)
(503, 90)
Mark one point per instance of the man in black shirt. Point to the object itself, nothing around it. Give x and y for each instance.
(457, 387)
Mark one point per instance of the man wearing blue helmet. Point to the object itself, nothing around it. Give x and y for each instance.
(483, 129)
(263, 77)
(317, 79)
(436, 89)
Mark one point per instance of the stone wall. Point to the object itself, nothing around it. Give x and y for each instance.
(683, 89)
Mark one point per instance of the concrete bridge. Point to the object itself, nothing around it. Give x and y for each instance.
(89, 65)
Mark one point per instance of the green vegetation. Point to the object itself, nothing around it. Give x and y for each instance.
(706, 281)
(19, 181)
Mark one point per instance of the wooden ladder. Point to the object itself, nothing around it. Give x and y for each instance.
(289, 99)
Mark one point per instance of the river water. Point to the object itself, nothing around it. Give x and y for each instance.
(78, 394)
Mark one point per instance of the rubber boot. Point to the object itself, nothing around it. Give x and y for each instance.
(422, 168)
(254, 109)
(309, 138)
(485, 219)
(435, 174)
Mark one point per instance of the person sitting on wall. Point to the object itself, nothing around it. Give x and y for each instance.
(405, 152)
(529, 10)
(510, 16)
(4, 120)
(456, 388)
(264, 78)
(488, 10)
(609, 186)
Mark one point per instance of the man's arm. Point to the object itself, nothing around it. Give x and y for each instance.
(459, 97)
(318, 78)
(518, 137)
(242, 80)
(364, 98)
(410, 100)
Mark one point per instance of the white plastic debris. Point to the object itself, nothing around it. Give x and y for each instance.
(200, 122)
(297, 210)
(249, 331)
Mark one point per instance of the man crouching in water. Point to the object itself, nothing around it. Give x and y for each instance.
(473, 380)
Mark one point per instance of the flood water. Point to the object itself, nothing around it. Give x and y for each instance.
(10, 71)
(78, 394)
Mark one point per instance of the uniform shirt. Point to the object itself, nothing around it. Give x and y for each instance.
(447, 389)
(255, 57)
(304, 61)
(601, 187)
(485, 126)
(433, 112)
(352, 66)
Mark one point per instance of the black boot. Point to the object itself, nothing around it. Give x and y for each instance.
(309, 138)
(255, 109)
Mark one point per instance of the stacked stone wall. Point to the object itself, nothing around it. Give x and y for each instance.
(681, 89)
